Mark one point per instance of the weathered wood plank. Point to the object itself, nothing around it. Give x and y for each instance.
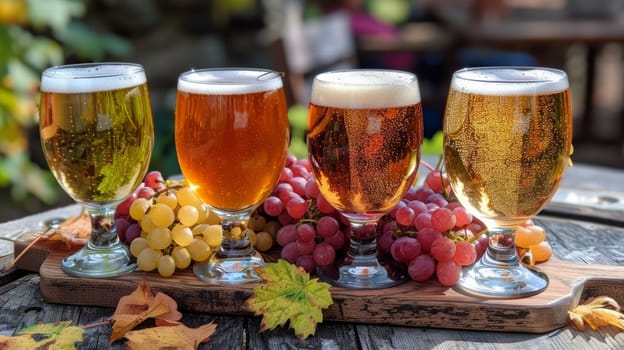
(329, 335)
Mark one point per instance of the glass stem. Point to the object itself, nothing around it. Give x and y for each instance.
(236, 241)
(363, 244)
(501, 246)
(103, 231)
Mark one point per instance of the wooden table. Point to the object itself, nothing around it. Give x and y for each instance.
(588, 237)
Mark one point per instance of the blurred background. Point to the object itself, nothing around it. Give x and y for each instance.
(432, 38)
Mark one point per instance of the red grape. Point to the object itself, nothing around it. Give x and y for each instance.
(448, 272)
(443, 249)
(426, 237)
(286, 234)
(465, 253)
(273, 206)
(155, 180)
(327, 226)
(324, 254)
(443, 219)
(421, 268)
(306, 262)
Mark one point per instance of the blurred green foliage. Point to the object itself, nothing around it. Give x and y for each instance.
(36, 34)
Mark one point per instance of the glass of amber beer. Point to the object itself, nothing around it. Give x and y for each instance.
(231, 135)
(364, 137)
(97, 135)
(507, 140)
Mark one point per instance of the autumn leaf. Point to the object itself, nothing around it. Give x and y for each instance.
(179, 337)
(289, 295)
(60, 335)
(597, 312)
(140, 305)
(73, 231)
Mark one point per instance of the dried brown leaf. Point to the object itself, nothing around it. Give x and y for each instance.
(179, 337)
(139, 306)
(597, 312)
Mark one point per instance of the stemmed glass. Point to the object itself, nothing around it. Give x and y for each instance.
(364, 138)
(507, 137)
(231, 135)
(97, 135)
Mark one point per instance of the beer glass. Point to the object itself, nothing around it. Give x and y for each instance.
(364, 137)
(507, 139)
(97, 135)
(231, 136)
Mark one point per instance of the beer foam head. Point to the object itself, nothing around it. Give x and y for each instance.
(91, 77)
(509, 81)
(363, 89)
(234, 81)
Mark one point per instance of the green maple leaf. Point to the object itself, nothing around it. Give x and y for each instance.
(56, 336)
(289, 295)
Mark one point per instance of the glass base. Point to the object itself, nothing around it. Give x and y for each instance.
(229, 270)
(99, 262)
(494, 279)
(362, 276)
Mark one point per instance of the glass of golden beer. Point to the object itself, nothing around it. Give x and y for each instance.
(365, 132)
(97, 135)
(231, 136)
(507, 140)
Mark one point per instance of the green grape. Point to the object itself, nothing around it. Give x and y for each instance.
(146, 223)
(182, 257)
(166, 266)
(168, 198)
(272, 227)
(137, 246)
(159, 238)
(264, 241)
(186, 196)
(161, 215)
(257, 223)
(182, 235)
(138, 208)
(148, 259)
(203, 213)
(213, 234)
(212, 219)
(188, 215)
(252, 237)
(199, 250)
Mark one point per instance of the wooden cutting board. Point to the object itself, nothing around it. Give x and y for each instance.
(410, 304)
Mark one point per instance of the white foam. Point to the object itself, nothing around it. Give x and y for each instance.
(91, 77)
(363, 89)
(508, 81)
(229, 81)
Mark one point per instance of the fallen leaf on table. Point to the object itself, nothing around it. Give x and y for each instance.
(60, 335)
(140, 305)
(179, 337)
(597, 312)
(289, 295)
(74, 231)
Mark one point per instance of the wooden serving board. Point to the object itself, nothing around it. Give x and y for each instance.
(410, 304)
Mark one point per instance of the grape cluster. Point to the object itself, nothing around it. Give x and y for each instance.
(312, 233)
(432, 234)
(168, 227)
(425, 232)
